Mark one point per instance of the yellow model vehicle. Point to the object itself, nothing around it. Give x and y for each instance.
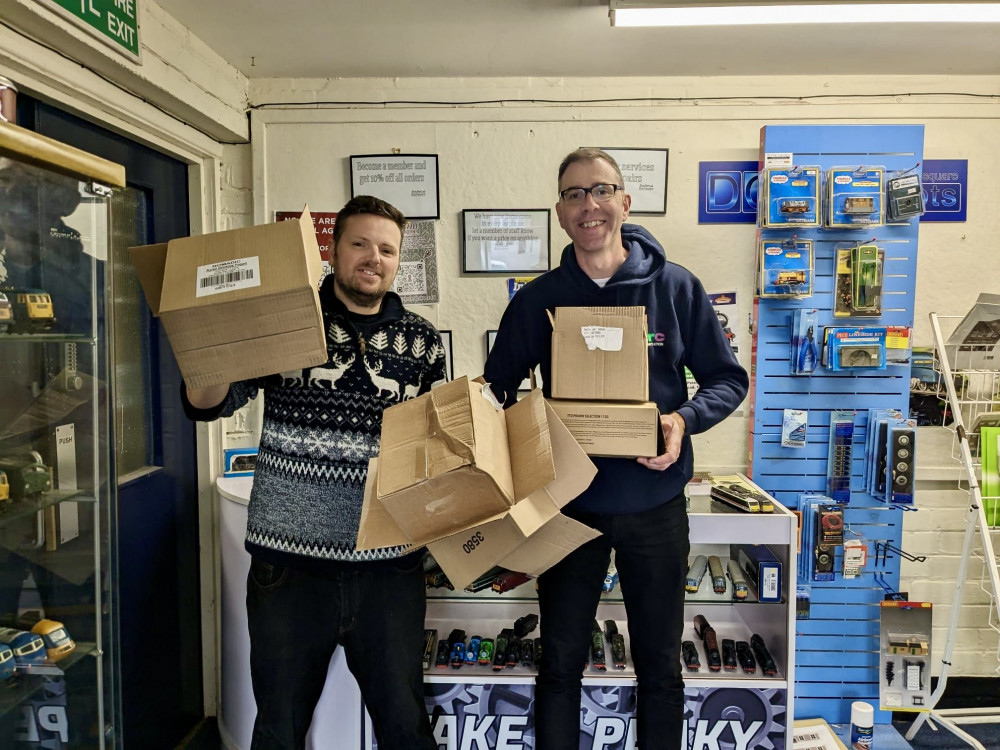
(4, 486)
(33, 311)
(6, 314)
(58, 644)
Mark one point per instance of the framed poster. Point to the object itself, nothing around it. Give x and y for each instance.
(449, 367)
(505, 240)
(491, 337)
(645, 173)
(407, 181)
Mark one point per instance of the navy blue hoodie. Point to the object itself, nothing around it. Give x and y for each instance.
(683, 332)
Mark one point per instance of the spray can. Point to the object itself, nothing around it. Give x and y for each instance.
(862, 725)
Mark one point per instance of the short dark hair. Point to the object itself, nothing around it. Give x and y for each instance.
(589, 154)
(367, 204)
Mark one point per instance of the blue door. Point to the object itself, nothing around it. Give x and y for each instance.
(156, 619)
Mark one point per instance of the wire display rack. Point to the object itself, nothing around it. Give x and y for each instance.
(972, 395)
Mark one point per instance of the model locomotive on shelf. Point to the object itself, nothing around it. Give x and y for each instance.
(27, 475)
(27, 311)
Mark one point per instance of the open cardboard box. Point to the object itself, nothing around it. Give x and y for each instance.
(238, 304)
(600, 354)
(453, 479)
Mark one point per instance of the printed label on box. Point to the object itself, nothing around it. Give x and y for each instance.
(227, 276)
(603, 338)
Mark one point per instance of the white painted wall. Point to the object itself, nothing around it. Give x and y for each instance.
(506, 156)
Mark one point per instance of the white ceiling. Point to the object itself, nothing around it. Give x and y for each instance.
(555, 38)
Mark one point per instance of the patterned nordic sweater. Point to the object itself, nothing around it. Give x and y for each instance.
(322, 424)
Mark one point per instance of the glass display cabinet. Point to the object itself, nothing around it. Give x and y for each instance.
(58, 662)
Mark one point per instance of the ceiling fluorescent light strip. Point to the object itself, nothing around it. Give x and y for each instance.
(853, 13)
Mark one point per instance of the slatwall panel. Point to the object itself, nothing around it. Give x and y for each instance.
(837, 647)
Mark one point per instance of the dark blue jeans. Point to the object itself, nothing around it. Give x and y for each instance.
(376, 612)
(651, 551)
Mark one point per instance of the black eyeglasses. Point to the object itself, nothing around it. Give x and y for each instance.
(602, 193)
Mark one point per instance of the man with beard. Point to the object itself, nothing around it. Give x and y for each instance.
(308, 590)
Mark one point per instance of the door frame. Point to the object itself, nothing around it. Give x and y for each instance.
(47, 75)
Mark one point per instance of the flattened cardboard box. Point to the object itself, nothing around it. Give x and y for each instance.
(238, 304)
(529, 537)
(453, 457)
(611, 428)
(600, 354)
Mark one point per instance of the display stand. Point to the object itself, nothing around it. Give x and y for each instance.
(970, 392)
(495, 706)
(837, 658)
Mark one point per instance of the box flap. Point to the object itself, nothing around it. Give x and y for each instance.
(245, 319)
(574, 469)
(451, 438)
(241, 360)
(376, 528)
(529, 444)
(403, 447)
(149, 262)
(272, 258)
(547, 546)
(444, 505)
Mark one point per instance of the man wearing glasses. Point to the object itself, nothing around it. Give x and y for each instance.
(638, 505)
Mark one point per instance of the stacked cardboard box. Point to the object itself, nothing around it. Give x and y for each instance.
(600, 380)
(480, 486)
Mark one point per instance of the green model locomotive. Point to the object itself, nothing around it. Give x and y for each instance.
(27, 475)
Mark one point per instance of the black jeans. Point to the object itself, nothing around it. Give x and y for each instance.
(376, 612)
(651, 551)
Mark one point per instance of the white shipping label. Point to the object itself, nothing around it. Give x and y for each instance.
(602, 337)
(769, 585)
(227, 276)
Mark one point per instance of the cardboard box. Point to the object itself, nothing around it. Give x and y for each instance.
(238, 304)
(600, 354)
(453, 458)
(528, 536)
(761, 567)
(604, 428)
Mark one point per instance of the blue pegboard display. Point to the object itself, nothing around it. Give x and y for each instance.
(836, 657)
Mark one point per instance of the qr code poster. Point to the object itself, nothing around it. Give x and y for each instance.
(417, 280)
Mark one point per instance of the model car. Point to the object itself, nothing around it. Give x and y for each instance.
(58, 644)
(790, 278)
(7, 667)
(28, 648)
(6, 313)
(859, 204)
(26, 474)
(794, 207)
(33, 311)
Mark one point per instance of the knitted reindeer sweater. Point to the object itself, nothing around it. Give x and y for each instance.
(322, 424)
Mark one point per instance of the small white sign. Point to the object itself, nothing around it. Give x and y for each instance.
(603, 338)
(779, 160)
(227, 276)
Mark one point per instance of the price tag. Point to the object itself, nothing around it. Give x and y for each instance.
(855, 557)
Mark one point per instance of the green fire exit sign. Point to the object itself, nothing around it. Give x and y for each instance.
(115, 22)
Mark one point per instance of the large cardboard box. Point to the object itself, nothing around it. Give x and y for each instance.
(600, 353)
(529, 535)
(238, 304)
(613, 428)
